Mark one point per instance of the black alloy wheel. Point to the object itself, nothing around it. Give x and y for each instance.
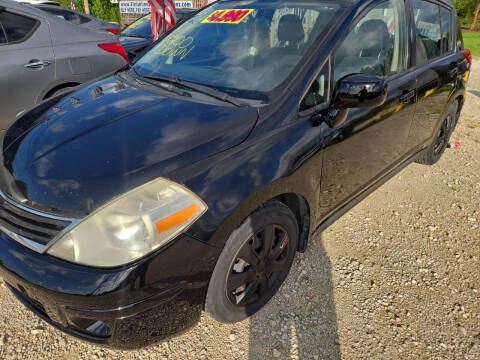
(435, 150)
(258, 266)
(253, 264)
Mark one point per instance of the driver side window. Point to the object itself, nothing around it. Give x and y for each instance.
(377, 43)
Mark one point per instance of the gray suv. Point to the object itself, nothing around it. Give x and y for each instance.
(41, 55)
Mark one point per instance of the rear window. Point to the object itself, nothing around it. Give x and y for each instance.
(71, 17)
(66, 15)
(17, 27)
(139, 28)
(84, 19)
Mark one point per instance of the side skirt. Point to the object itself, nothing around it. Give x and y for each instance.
(340, 211)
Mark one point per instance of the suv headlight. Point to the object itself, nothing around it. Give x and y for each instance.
(130, 226)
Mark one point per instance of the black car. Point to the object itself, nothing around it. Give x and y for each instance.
(137, 36)
(188, 180)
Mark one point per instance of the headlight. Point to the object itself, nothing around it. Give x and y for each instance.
(130, 226)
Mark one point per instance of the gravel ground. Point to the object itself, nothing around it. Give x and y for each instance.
(396, 277)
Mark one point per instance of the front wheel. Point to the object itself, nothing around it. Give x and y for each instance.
(254, 263)
(434, 152)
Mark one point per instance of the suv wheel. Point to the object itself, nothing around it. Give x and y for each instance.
(434, 152)
(254, 263)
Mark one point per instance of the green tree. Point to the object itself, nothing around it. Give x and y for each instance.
(475, 17)
(101, 9)
(466, 10)
(105, 10)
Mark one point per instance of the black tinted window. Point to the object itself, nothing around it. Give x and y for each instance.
(16, 26)
(428, 34)
(64, 15)
(447, 43)
(71, 17)
(83, 19)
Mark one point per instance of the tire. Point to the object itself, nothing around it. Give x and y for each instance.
(242, 283)
(435, 150)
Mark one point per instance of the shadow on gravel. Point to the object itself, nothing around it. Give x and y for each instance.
(300, 322)
(474, 92)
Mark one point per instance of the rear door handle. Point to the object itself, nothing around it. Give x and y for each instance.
(37, 64)
(407, 97)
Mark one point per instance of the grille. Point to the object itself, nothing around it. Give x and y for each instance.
(32, 226)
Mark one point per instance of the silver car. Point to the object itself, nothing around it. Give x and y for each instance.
(80, 19)
(41, 55)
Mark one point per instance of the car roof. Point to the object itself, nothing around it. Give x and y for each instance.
(17, 5)
(54, 7)
(32, 9)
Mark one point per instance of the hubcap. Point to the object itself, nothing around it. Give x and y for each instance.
(257, 266)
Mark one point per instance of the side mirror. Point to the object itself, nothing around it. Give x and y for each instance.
(360, 91)
(356, 91)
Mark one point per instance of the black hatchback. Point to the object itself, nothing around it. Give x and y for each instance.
(188, 180)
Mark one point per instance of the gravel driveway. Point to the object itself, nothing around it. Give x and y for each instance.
(397, 277)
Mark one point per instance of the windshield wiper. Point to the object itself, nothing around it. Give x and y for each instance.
(172, 79)
(168, 86)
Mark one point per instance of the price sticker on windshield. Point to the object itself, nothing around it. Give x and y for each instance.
(227, 16)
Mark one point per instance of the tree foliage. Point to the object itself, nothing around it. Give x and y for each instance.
(101, 9)
(466, 11)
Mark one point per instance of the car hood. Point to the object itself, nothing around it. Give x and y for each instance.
(69, 155)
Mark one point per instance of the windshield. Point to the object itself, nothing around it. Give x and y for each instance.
(143, 28)
(247, 48)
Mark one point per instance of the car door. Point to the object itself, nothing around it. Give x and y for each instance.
(371, 140)
(436, 68)
(26, 63)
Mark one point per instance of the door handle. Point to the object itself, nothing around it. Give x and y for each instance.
(405, 98)
(37, 64)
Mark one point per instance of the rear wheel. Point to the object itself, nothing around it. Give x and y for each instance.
(434, 152)
(253, 264)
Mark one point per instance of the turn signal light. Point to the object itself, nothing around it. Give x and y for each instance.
(176, 219)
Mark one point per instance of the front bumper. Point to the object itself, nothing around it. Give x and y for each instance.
(130, 307)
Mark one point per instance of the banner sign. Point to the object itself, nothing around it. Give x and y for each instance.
(227, 16)
(143, 7)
